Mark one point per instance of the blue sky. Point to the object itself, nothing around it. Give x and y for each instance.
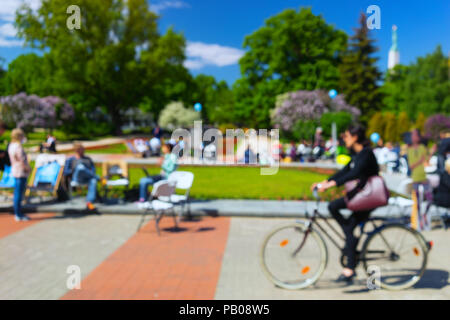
(215, 29)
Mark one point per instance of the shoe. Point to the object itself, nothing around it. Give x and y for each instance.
(90, 206)
(345, 279)
(21, 218)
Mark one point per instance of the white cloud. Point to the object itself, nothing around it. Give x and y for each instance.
(7, 30)
(202, 54)
(7, 14)
(8, 8)
(168, 4)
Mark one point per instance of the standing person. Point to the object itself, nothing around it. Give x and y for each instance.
(20, 169)
(4, 157)
(417, 157)
(168, 165)
(157, 132)
(362, 166)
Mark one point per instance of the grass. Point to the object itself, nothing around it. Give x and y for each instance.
(119, 148)
(245, 183)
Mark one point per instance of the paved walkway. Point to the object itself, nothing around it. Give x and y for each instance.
(208, 258)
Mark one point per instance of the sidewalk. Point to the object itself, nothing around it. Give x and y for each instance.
(223, 208)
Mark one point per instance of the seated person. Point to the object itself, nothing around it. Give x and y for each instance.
(49, 145)
(168, 165)
(82, 169)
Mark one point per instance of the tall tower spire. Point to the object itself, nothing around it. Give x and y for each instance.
(394, 54)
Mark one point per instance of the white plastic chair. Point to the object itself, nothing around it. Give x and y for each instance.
(183, 181)
(162, 190)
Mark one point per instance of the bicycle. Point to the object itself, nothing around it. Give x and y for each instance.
(295, 255)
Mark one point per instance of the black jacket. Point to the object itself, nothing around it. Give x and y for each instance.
(362, 166)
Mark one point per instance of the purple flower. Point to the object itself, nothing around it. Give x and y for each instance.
(32, 111)
(308, 105)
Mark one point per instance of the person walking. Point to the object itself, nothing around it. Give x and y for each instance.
(20, 169)
(362, 166)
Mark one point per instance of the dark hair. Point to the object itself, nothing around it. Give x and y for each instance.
(359, 131)
(169, 145)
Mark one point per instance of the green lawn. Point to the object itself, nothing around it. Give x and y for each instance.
(245, 183)
(111, 149)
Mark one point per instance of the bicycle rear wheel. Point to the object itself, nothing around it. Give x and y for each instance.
(293, 257)
(400, 255)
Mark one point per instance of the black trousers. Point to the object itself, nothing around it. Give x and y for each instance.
(348, 225)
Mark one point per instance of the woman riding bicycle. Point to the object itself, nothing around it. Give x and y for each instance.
(362, 166)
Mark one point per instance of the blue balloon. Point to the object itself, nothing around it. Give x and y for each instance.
(332, 93)
(374, 137)
(198, 107)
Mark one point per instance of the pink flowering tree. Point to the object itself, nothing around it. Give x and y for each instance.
(308, 106)
(30, 111)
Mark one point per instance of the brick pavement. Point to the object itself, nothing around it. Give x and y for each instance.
(8, 225)
(177, 265)
(213, 258)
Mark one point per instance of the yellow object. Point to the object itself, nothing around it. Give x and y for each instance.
(343, 159)
(287, 160)
(414, 212)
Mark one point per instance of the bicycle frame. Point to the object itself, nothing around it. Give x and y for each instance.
(313, 221)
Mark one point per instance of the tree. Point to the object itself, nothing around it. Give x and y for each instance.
(28, 73)
(391, 127)
(2, 77)
(404, 124)
(114, 60)
(175, 116)
(359, 75)
(30, 111)
(216, 99)
(308, 105)
(435, 124)
(377, 124)
(420, 122)
(422, 86)
(342, 120)
(294, 50)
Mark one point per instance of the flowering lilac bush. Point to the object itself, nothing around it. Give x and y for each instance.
(308, 105)
(31, 111)
(435, 124)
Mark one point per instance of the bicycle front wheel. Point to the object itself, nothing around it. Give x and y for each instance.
(293, 256)
(398, 253)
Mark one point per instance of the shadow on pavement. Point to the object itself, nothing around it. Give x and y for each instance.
(433, 279)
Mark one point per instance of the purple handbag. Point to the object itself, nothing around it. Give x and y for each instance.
(373, 195)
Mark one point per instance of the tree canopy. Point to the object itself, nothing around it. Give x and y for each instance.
(422, 86)
(294, 50)
(114, 60)
(359, 75)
